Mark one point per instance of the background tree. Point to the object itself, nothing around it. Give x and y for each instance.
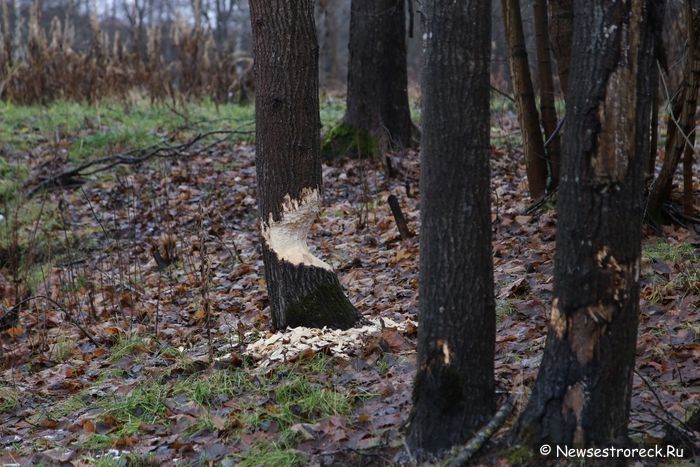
(546, 82)
(303, 290)
(377, 91)
(582, 392)
(681, 122)
(327, 16)
(453, 392)
(533, 144)
(561, 17)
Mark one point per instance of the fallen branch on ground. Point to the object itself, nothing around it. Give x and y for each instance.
(478, 440)
(134, 157)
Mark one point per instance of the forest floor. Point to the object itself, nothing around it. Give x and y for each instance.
(128, 351)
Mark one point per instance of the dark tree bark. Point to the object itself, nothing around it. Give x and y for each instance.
(682, 121)
(582, 393)
(377, 97)
(303, 290)
(561, 20)
(453, 393)
(546, 80)
(533, 145)
(329, 58)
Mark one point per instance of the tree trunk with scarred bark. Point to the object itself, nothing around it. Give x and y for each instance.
(303, 290)
(453, 394)
(533, 144)
(582, 393)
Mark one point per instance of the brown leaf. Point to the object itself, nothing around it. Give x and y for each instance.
(391, 340)
(89, 426)
(200, 314)
(15, 331)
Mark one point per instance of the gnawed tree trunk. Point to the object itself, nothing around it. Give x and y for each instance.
(582, 393)
(377, 97)
(681, 123)
(561, 20)
(303, 290)
(546, 81)
(533, 145)
(453, 393)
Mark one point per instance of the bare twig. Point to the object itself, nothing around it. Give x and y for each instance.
(556, 132)
(674, 118)
(502, 93)
(65, 312)
(685, 428)
(134, 157)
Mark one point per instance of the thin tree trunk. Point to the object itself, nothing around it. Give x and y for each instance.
(453, 394)
(688, 205)
(561, 20)
(377, 98)
(680, 123)
(582, 393)
(544, 68)
(303, 290)
(535, 156)
(654, 125)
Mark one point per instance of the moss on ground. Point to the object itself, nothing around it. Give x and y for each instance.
(346, 140)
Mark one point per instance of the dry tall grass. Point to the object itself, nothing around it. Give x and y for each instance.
(42, 66)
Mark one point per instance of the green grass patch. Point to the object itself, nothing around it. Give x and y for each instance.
(145, 403)
(9, 399)
(286, 395)
(504, 308)
(311, 400)
(67, 407)
(665, 251)
(98, 441)
(298, 399)
(128, 344)
(688, 281)
(108, 126)
(214, 388)
(12, 175)
(272, 455)
(332, 111)
(111, 459)
(63, 349)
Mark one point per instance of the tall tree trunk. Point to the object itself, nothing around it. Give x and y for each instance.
(303, 290)
(544, 71)
(582, 393)
(680, 123)
(329, 59)
(453, 394)
(377, 98)
(561, 20)
(535, 156)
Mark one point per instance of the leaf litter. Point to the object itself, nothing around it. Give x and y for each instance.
(148, 391)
